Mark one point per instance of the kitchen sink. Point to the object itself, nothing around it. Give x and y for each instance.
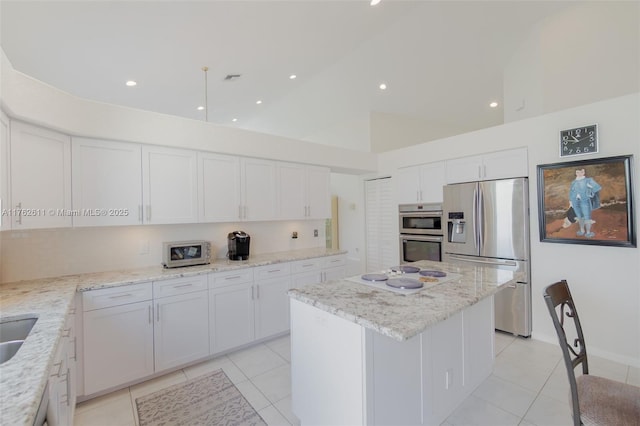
(12, 335)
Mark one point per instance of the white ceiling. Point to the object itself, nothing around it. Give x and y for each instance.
(443, 61)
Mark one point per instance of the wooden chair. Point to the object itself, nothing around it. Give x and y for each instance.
(595, 400)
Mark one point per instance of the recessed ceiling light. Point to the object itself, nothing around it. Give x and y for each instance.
(374, 2)
(200, 108)
(131, 83)
(234, 119)
(493, 104)
(383, 86)
(258, 102)
(292, 77)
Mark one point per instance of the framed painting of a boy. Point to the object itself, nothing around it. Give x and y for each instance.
(587, 202)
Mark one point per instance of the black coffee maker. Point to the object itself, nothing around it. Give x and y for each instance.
(238, 244)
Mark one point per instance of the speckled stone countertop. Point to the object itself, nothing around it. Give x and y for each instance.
(404, 316)
(23, 378)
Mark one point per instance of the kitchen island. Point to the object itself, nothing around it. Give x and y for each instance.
(362, 355)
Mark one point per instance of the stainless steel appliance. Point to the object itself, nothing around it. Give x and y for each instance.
(488, 223)
(421, 232)
(186, 253)
(238, 245)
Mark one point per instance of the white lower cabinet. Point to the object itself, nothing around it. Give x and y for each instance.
(181, 327)
(118, 336)
(62, 377)
(334, 268)
(231, 316)
(133, 331)
(272, 306)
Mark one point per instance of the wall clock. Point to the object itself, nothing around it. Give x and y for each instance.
(579, 141)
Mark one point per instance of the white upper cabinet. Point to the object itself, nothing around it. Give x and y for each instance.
(318, 192)
(292, 190)
(5, 218)
(495, 165)
(40, 164)
(304, 192)
(170, 185)
(420, 184)
(219, 187)
(107, 182)
(259, 189)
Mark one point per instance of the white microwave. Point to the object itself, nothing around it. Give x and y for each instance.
(186, 253)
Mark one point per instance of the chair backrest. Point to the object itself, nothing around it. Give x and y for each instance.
(560, 304)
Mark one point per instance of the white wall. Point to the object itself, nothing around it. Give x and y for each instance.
(605, 281)
(579, 55)
(55, 252)
(350, 192)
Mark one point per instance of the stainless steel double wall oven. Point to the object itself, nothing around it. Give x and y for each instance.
(420, 232)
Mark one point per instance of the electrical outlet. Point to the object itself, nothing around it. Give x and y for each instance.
(294, 235)
(315, 232)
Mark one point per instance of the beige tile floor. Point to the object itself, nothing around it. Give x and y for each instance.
(528, 386)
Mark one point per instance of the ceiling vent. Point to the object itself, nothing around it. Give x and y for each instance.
(232, 77)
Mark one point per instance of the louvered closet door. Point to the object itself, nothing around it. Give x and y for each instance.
(380, 218)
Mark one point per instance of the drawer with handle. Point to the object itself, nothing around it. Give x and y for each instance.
(182, 285)
(272, 271)
(114, 296)
(306, 265)
(226, 278)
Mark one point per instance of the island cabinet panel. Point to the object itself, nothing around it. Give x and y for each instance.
(443, 360)
(396, 366)
(327, 370)
(368, 378)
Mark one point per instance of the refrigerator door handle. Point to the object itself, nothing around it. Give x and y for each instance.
(485, 261)
(475, 217)
(480, 219)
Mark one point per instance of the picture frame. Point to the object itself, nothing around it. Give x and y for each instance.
(587, 202)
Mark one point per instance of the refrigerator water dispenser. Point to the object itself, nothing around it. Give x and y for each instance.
(456, 227)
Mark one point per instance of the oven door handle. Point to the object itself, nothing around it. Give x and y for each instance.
(421, 238)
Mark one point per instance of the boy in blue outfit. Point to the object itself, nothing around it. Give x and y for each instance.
(584, 196)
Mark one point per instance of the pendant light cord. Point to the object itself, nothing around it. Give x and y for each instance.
(206, 104)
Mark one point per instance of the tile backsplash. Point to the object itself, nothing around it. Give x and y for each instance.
(44, 253)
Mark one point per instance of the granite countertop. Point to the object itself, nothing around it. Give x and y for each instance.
(23, 378)
(404, 316)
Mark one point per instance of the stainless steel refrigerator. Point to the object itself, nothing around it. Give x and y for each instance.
(488, 223)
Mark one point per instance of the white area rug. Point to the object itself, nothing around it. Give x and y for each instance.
(211, 399)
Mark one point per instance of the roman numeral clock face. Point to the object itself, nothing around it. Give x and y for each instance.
(579, 141)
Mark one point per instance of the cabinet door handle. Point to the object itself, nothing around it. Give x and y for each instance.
(66, 332)
(140, 213)
(68, 387)
(75, 349)
(257, 292)
(150, 316)
(118, 296)
(252, 295)
(234, 277)
(58, 365)
(183, 285)
(158, 312)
